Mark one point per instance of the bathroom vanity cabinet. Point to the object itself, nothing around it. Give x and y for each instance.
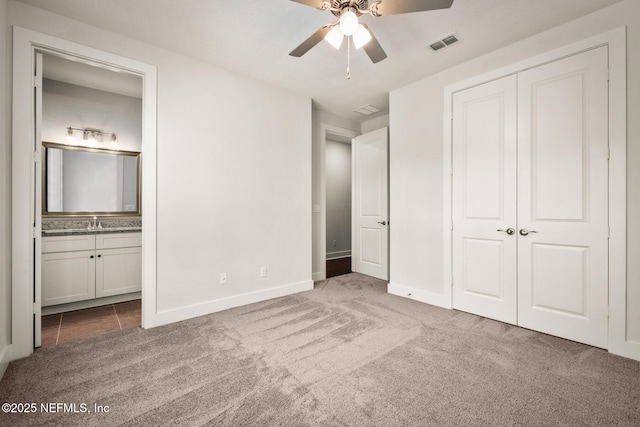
(88, 266)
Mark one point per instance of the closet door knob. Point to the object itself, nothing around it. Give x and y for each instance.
(524, 231)
(510, 231)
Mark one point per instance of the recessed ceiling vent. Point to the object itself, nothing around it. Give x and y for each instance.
(366, 110)
(444, 42)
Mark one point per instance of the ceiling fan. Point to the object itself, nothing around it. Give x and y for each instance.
(348, 24)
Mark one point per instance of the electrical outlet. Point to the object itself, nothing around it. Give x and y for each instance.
(223, 278)
(263, 271)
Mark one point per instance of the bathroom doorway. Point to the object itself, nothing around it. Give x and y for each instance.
(27, 153)
(89, 122)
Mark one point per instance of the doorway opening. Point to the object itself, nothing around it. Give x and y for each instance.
(27, 178)
(87, 287)
(338, 204)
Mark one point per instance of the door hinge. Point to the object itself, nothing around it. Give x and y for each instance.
(36, 157)
(37, 81)
(36, 308)
(608, 153)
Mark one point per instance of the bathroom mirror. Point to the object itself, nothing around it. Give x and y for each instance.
(79, 181)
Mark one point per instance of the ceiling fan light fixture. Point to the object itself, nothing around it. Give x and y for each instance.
(335, 37)
(361, 36)
(348, 21)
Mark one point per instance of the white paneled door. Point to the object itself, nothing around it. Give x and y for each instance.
(484, 202)
(563, 198)
(370, 207)
(544, 130)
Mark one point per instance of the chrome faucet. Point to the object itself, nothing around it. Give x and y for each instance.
(93, 226)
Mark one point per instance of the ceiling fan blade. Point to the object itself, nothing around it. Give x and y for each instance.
(313, 3)
(310, 42)
(394, 7)
(373, 48)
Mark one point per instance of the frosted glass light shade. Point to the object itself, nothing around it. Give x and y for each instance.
(335, 36)
(348, 23)
(361, 36)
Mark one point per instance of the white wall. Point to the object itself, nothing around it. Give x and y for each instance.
(338, 179)
(416, 176)
(5, 193)
(233, 177)
(65, 105)
(319, 121)
(379, 122)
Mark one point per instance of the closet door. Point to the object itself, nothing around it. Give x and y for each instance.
(484, 200)
(563, 198)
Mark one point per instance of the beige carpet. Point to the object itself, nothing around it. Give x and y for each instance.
(344, 354)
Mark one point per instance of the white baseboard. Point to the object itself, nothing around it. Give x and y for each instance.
(317, 276)
(629, 349)
(427, 297)
(4, 360)
(338, 254)
(79, 305)
(208, 307)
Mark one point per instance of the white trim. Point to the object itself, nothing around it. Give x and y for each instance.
(618, 343)
(338, 254)
(322, 250)
(4, 360)
(25, 43)
(208, 307)
(79, 305)
(616, 41)
(419, 295)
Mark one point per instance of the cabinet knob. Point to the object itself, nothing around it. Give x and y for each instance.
(99, 256)
(91, 256)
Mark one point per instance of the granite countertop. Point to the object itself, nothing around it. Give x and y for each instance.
(80, 226)
(81, 231)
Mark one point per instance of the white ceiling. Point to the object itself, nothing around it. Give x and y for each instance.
(254, 37)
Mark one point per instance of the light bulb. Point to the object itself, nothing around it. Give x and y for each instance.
(335, 37)
(361, 37)
(92, 138)
(348, 22)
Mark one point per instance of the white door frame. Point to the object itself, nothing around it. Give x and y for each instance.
(25, 43)
(616, 42)
(320, 253)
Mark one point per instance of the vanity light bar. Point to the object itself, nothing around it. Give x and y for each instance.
(89, 135)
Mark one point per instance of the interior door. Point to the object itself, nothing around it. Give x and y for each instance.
(370, 207)
(563, 198)
(484, 200)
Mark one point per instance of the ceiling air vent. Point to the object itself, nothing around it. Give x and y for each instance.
(444, 42)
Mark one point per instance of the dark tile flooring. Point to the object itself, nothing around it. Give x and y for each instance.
(338, 266)
(74, 325)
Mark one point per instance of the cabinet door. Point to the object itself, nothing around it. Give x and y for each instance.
(118, 271)
(68, 277)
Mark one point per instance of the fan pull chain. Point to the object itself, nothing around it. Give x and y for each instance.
(348, 57)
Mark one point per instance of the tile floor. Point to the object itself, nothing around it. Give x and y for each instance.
(74, 325)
